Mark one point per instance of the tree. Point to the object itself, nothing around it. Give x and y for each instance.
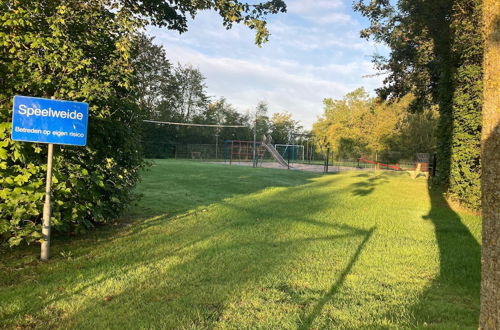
(283, 127)
(261, 120)
(165, 92)
(436, 54)
(78, 51)
(189, 95)
(85, 51)
(222, 113)
(359, 125)
(490, 181)
(418, 132)
(344, 125)
(153, 75)
(174, 14)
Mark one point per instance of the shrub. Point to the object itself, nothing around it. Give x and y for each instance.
(77, 51)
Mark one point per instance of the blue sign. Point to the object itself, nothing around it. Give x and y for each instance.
(49, 121)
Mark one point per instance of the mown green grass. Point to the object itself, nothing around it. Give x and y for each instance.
(214, 246)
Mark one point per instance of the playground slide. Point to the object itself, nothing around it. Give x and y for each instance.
(267, 143)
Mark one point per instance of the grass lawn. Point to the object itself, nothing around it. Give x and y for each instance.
(214, 246)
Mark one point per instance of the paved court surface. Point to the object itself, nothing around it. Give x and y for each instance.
(299, 167)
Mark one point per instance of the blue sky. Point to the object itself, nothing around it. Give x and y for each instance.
(314, 52)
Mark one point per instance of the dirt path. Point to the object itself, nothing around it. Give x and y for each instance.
(297, 167)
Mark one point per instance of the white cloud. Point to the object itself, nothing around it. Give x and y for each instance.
(332, 18)
(314, 52)
(308, 6)
(285, 85)
(321, 11)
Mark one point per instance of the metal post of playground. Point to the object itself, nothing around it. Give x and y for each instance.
(231, 155)
(216, 143)
(434, 165)
(288, 161)
(307, 152)
(327, 160)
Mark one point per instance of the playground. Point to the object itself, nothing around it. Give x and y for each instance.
(217, 246)
(292, 157)
(316, 168)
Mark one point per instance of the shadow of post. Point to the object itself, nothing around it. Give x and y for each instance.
(195, 271)
(338, 283)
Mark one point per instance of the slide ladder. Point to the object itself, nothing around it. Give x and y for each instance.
(276, 155)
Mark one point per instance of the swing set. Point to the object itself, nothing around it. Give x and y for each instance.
(243, 151)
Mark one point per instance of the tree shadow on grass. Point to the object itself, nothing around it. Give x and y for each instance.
(247, 260)
(237, 248)
(366, 187)
(307, 323)
(453, 297)
(170, 190)
(185, 272)
(174, 187)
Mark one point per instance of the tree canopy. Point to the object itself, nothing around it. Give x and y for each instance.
(436, 54)
(174, 14)
(93, 51)
(359, 125)
(283, 126)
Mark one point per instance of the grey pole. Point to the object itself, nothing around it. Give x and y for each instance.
(288, 163)
(307, 150)
(255, 140)
(327, 164)
(45, 250)
(216, 143)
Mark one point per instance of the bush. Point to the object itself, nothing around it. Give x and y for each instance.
(77, 51)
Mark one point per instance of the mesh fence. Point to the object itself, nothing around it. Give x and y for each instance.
(314, 159)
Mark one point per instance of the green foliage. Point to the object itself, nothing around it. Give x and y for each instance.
(231, 247)
(436, 53)
(283, 126)
(89, 51)
(178, 94)
(343, 125)
(359, 125)
(417, 132)
(167, 93)
(467, 47)
(174, 14)
(261, 123)
(223, 113)
(67, 50)
(153, 75)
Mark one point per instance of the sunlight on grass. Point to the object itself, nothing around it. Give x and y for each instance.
(235, 247)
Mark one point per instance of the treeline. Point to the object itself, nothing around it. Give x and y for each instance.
(91, 51)
(362, 126)
(436, 54)
(170, 93)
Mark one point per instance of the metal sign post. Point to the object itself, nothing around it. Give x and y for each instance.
(45, 250)
(254, 164)
(53, 122)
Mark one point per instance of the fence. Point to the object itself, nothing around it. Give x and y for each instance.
(203, 152)
(313, 159)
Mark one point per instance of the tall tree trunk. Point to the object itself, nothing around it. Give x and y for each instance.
(490, 181)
